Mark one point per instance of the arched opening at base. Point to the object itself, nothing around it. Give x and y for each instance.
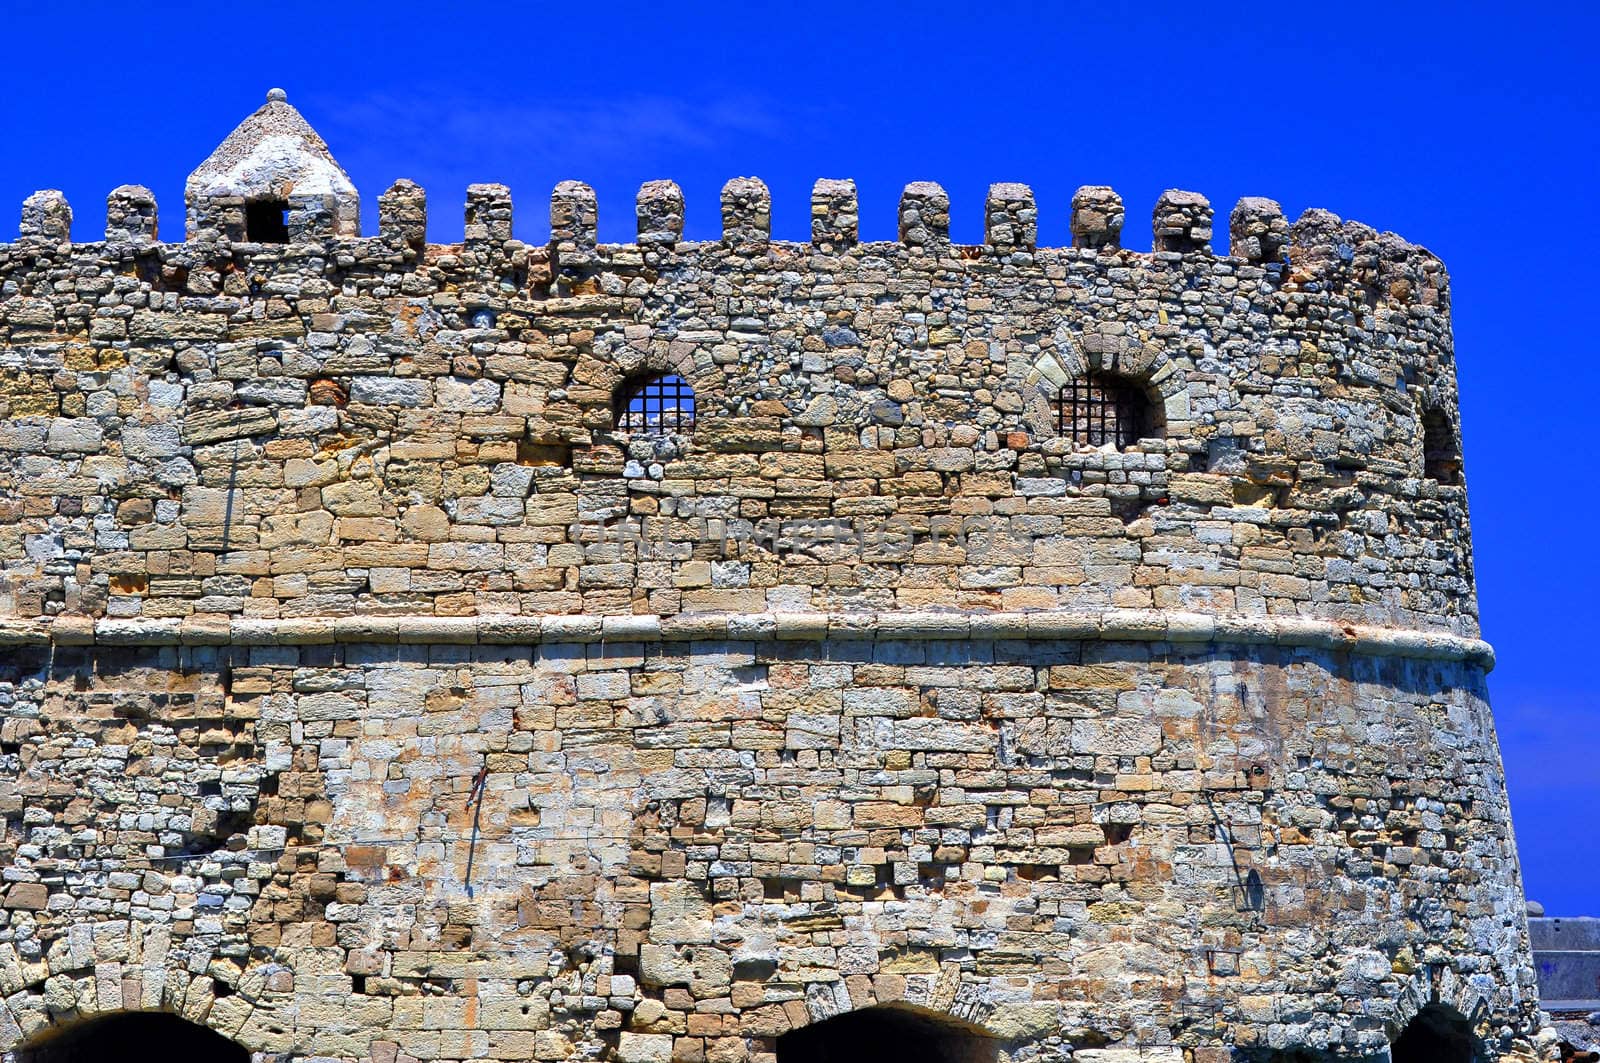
(887, 1034)
(133, 1037)
(1437, 1035)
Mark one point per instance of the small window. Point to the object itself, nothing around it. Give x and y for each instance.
(1441, 456)
(266, 221)
(656, 405)
(1104, 408)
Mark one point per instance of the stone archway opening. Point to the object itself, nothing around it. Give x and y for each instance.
(1436, 1035)
(888, 1034)
(133, 1037)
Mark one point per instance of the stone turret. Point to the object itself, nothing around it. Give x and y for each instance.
(740, 650)
(272, 180)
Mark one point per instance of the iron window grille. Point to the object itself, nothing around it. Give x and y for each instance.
(656, 405)
(1100, 409)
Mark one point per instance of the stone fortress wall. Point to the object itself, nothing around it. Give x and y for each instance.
(368, 694)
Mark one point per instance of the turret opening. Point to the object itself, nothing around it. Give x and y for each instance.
(887, 1034)
(266, 221)
(133, 1037)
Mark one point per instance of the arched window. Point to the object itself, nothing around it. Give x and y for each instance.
(1437, 1035)
(1102, 408)
(887, 1034)
(655, 405)
(133, 1037)
(1441, 455)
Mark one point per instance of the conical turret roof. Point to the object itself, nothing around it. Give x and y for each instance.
(273, 154)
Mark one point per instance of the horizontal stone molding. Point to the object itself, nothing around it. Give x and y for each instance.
(1127, 625)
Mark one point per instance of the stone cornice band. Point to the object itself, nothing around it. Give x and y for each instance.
(1112, 625)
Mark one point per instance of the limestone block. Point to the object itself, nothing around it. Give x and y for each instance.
(1257, 230)
(660, 212)
(644, 1048)
(218, 426)
(74, 435)
(1182, 222)
(834, 214)
(311, 528)
(663, 965)
(456, 395)
(488, 216)
(131, 215)
(47, 216)
(403, 213)
(746, 214)
(679, 911)
(353, 498)
(28, 896)
(1010, 219)
(1097, 217)
(390, 391)
(1116, 736)
(924, 215)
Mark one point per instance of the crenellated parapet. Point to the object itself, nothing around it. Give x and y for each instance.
(1305, 383)
(273, 182)
(1259, 232)
(925, 216)
(1302, 384)
(1182, 222)
(746, 214)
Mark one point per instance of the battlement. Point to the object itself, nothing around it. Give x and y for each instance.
(1181, 224)
(838, 424)
(274, 181)
(858, 425)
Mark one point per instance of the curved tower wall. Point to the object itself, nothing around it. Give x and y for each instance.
(368, 696)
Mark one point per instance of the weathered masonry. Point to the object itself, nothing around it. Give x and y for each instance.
(738, 650)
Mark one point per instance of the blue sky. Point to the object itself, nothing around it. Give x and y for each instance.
(1468, 128)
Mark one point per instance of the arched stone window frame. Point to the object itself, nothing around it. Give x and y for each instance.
(1441, 992)
(651, 390)
(614, 366)
(1069, 358)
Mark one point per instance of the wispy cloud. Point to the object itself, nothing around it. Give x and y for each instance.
(445, 141)
(445, 132)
